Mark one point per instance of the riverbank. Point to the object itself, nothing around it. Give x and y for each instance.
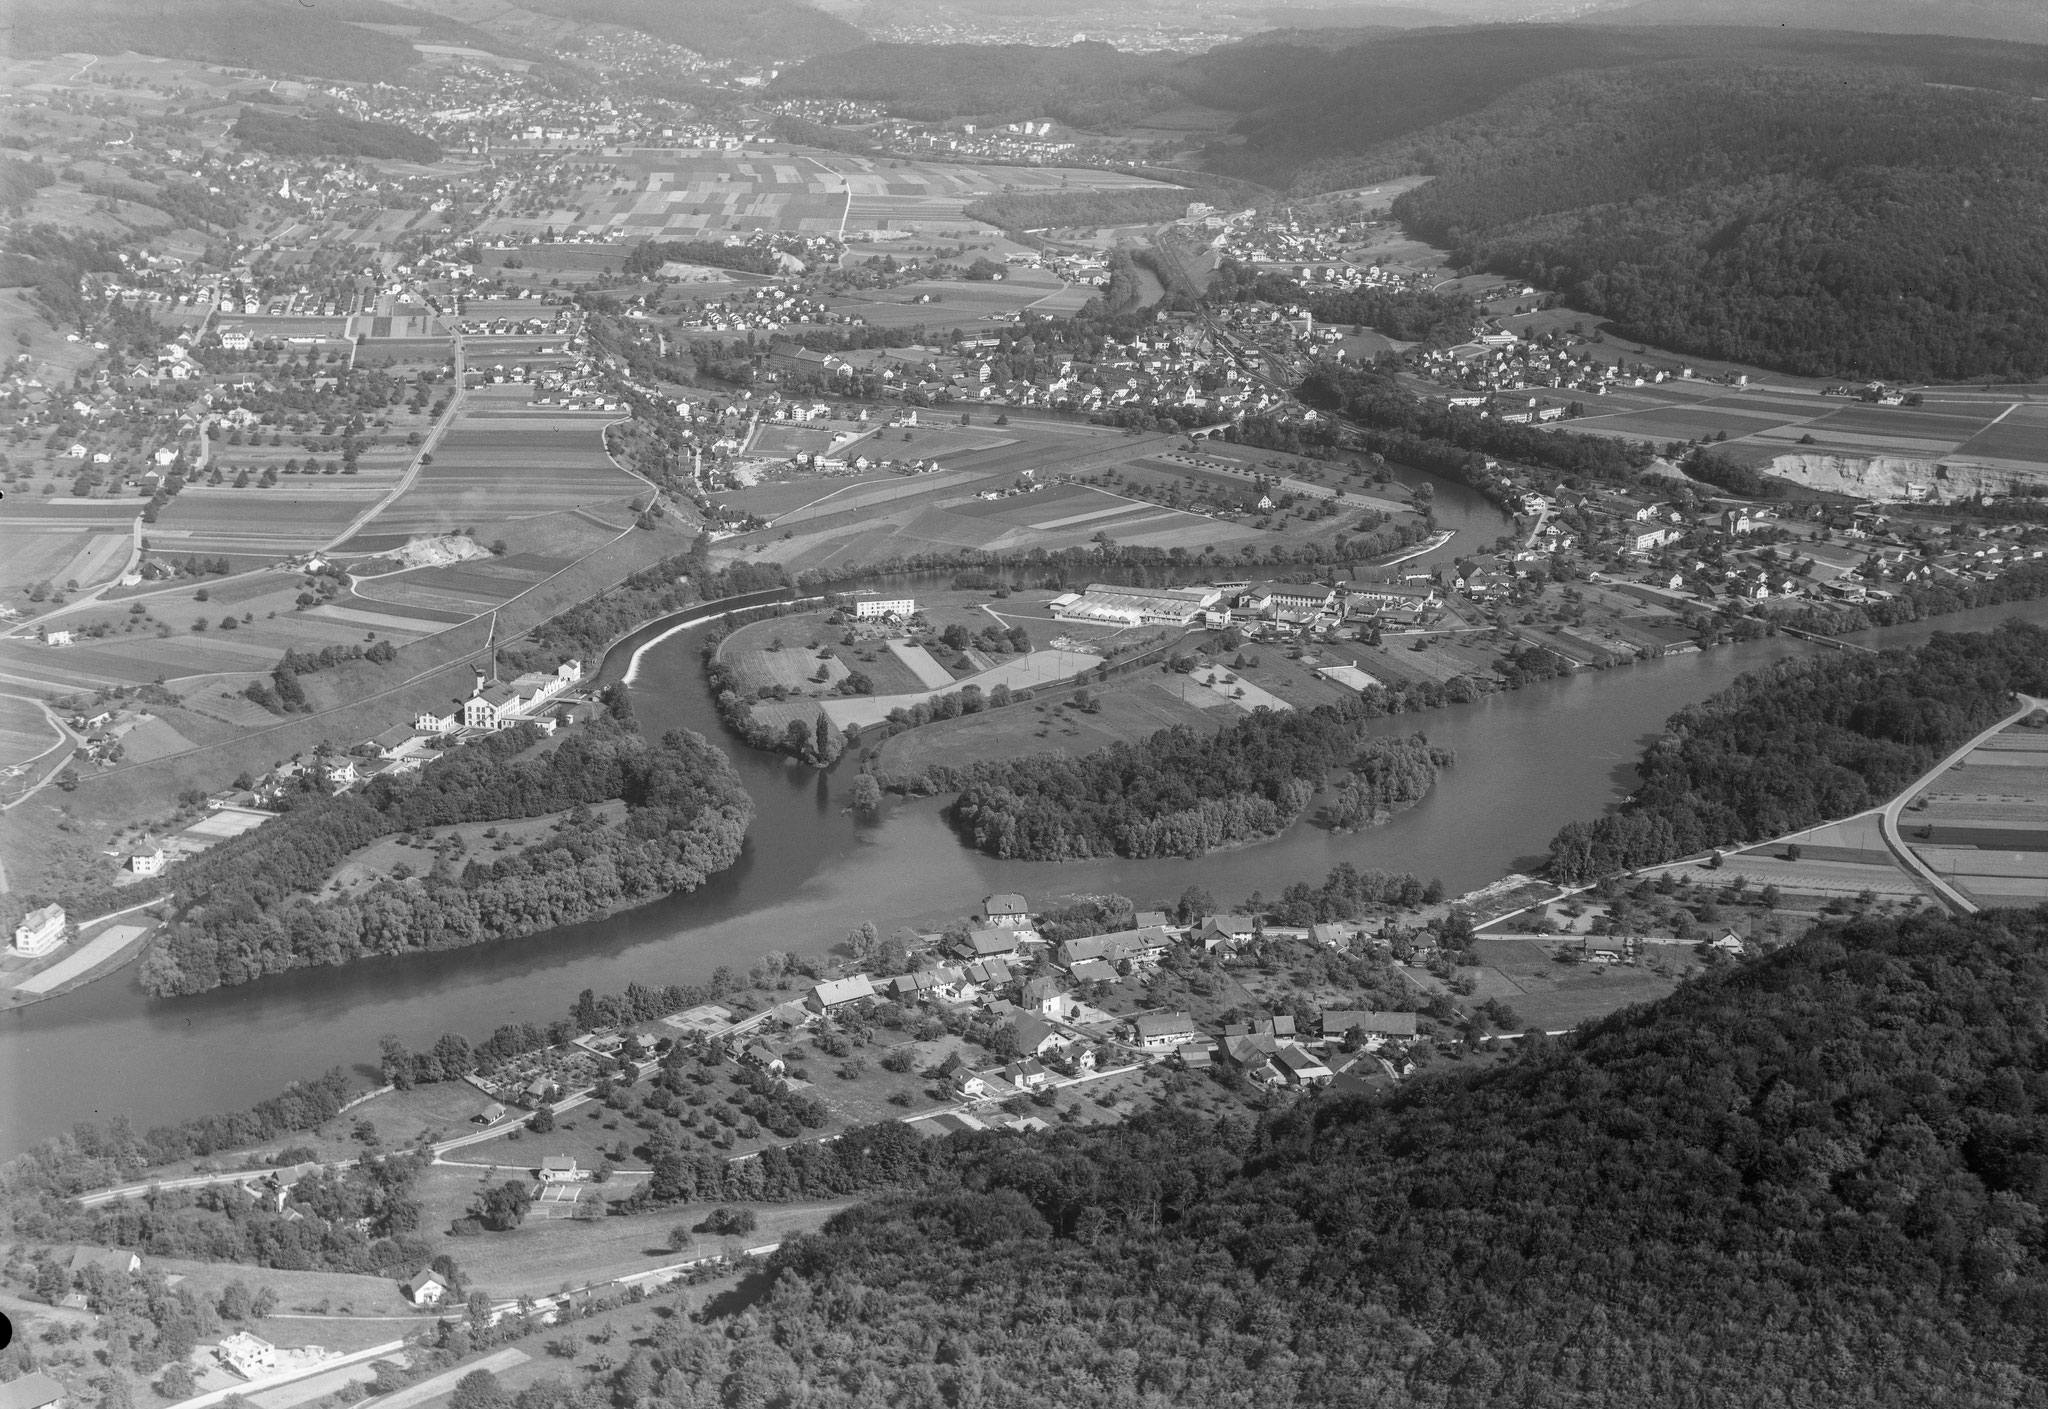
(1529, 761)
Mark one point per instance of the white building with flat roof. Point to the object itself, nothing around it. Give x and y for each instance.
(40, 932)
(884, 607)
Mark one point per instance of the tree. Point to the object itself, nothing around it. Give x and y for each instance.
(867, 793)
(678, 1238)
(543, 1120)
(176, 1381)
(503, 1208)
(479, 1389)
(827, 745)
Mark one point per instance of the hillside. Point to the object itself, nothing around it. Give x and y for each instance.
(324, 41)
(756, 29)
(1090, 85)
(1813, 1179)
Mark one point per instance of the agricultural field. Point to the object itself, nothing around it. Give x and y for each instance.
(505, 459)
(1983, 825)
(1124, 711)
(958, 303)
(69, 543)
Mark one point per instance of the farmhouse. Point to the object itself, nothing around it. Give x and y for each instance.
(838, 992)
(1162, 1032)
(40, 931)
(427, 1289)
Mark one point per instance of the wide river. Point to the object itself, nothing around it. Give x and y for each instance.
(1528, 762)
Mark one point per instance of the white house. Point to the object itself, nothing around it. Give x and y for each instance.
(248, 1356)
(148, 860)
(40, 931)
(1006, 911)
(558, 1169)
(427, 1289)
(885, 607)
(57, 638)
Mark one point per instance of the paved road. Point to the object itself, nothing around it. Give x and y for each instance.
(1909, 858)
(412, 471)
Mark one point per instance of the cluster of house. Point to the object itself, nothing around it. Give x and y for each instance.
(1042, 992)
(1174, 368)
(762, 309)
(1291, 605)
(492, 704)
(1487, 370)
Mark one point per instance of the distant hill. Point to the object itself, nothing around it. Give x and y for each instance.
(1816, 1178)
(1088, 84)
(318, 41)
(2025, 20)
(740, 29)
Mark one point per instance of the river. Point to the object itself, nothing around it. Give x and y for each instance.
(1528, 761)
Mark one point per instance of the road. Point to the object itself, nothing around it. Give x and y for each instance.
(65, 741)
(412, 471)
(215, 1396)
(1909, 858)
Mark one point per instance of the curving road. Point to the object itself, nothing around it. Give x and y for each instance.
(1909, 858)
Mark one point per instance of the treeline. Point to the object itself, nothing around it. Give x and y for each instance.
(585, 629)
(1412, 315)
(365, 1220)
(284, 695)
(89, 1156)
(1454, 440)
(254, 905)
(738, 29)
(20, 180)
(1781, 1175)
(648, 257)
(330, 135)
(1801, 741)
(1181, 794)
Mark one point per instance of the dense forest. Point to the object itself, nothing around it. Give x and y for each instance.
(648, 256)
(1801, 741)
(1815, 1179)
(1717, 209)
(1181, 794)
(330, 135)
(247, 907)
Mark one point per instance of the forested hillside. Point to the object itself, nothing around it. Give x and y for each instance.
(248, 907)
(1801, 741)
(1891, 231)
(1813, 1179)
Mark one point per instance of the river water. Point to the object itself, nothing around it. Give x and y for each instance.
(1528, 761)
